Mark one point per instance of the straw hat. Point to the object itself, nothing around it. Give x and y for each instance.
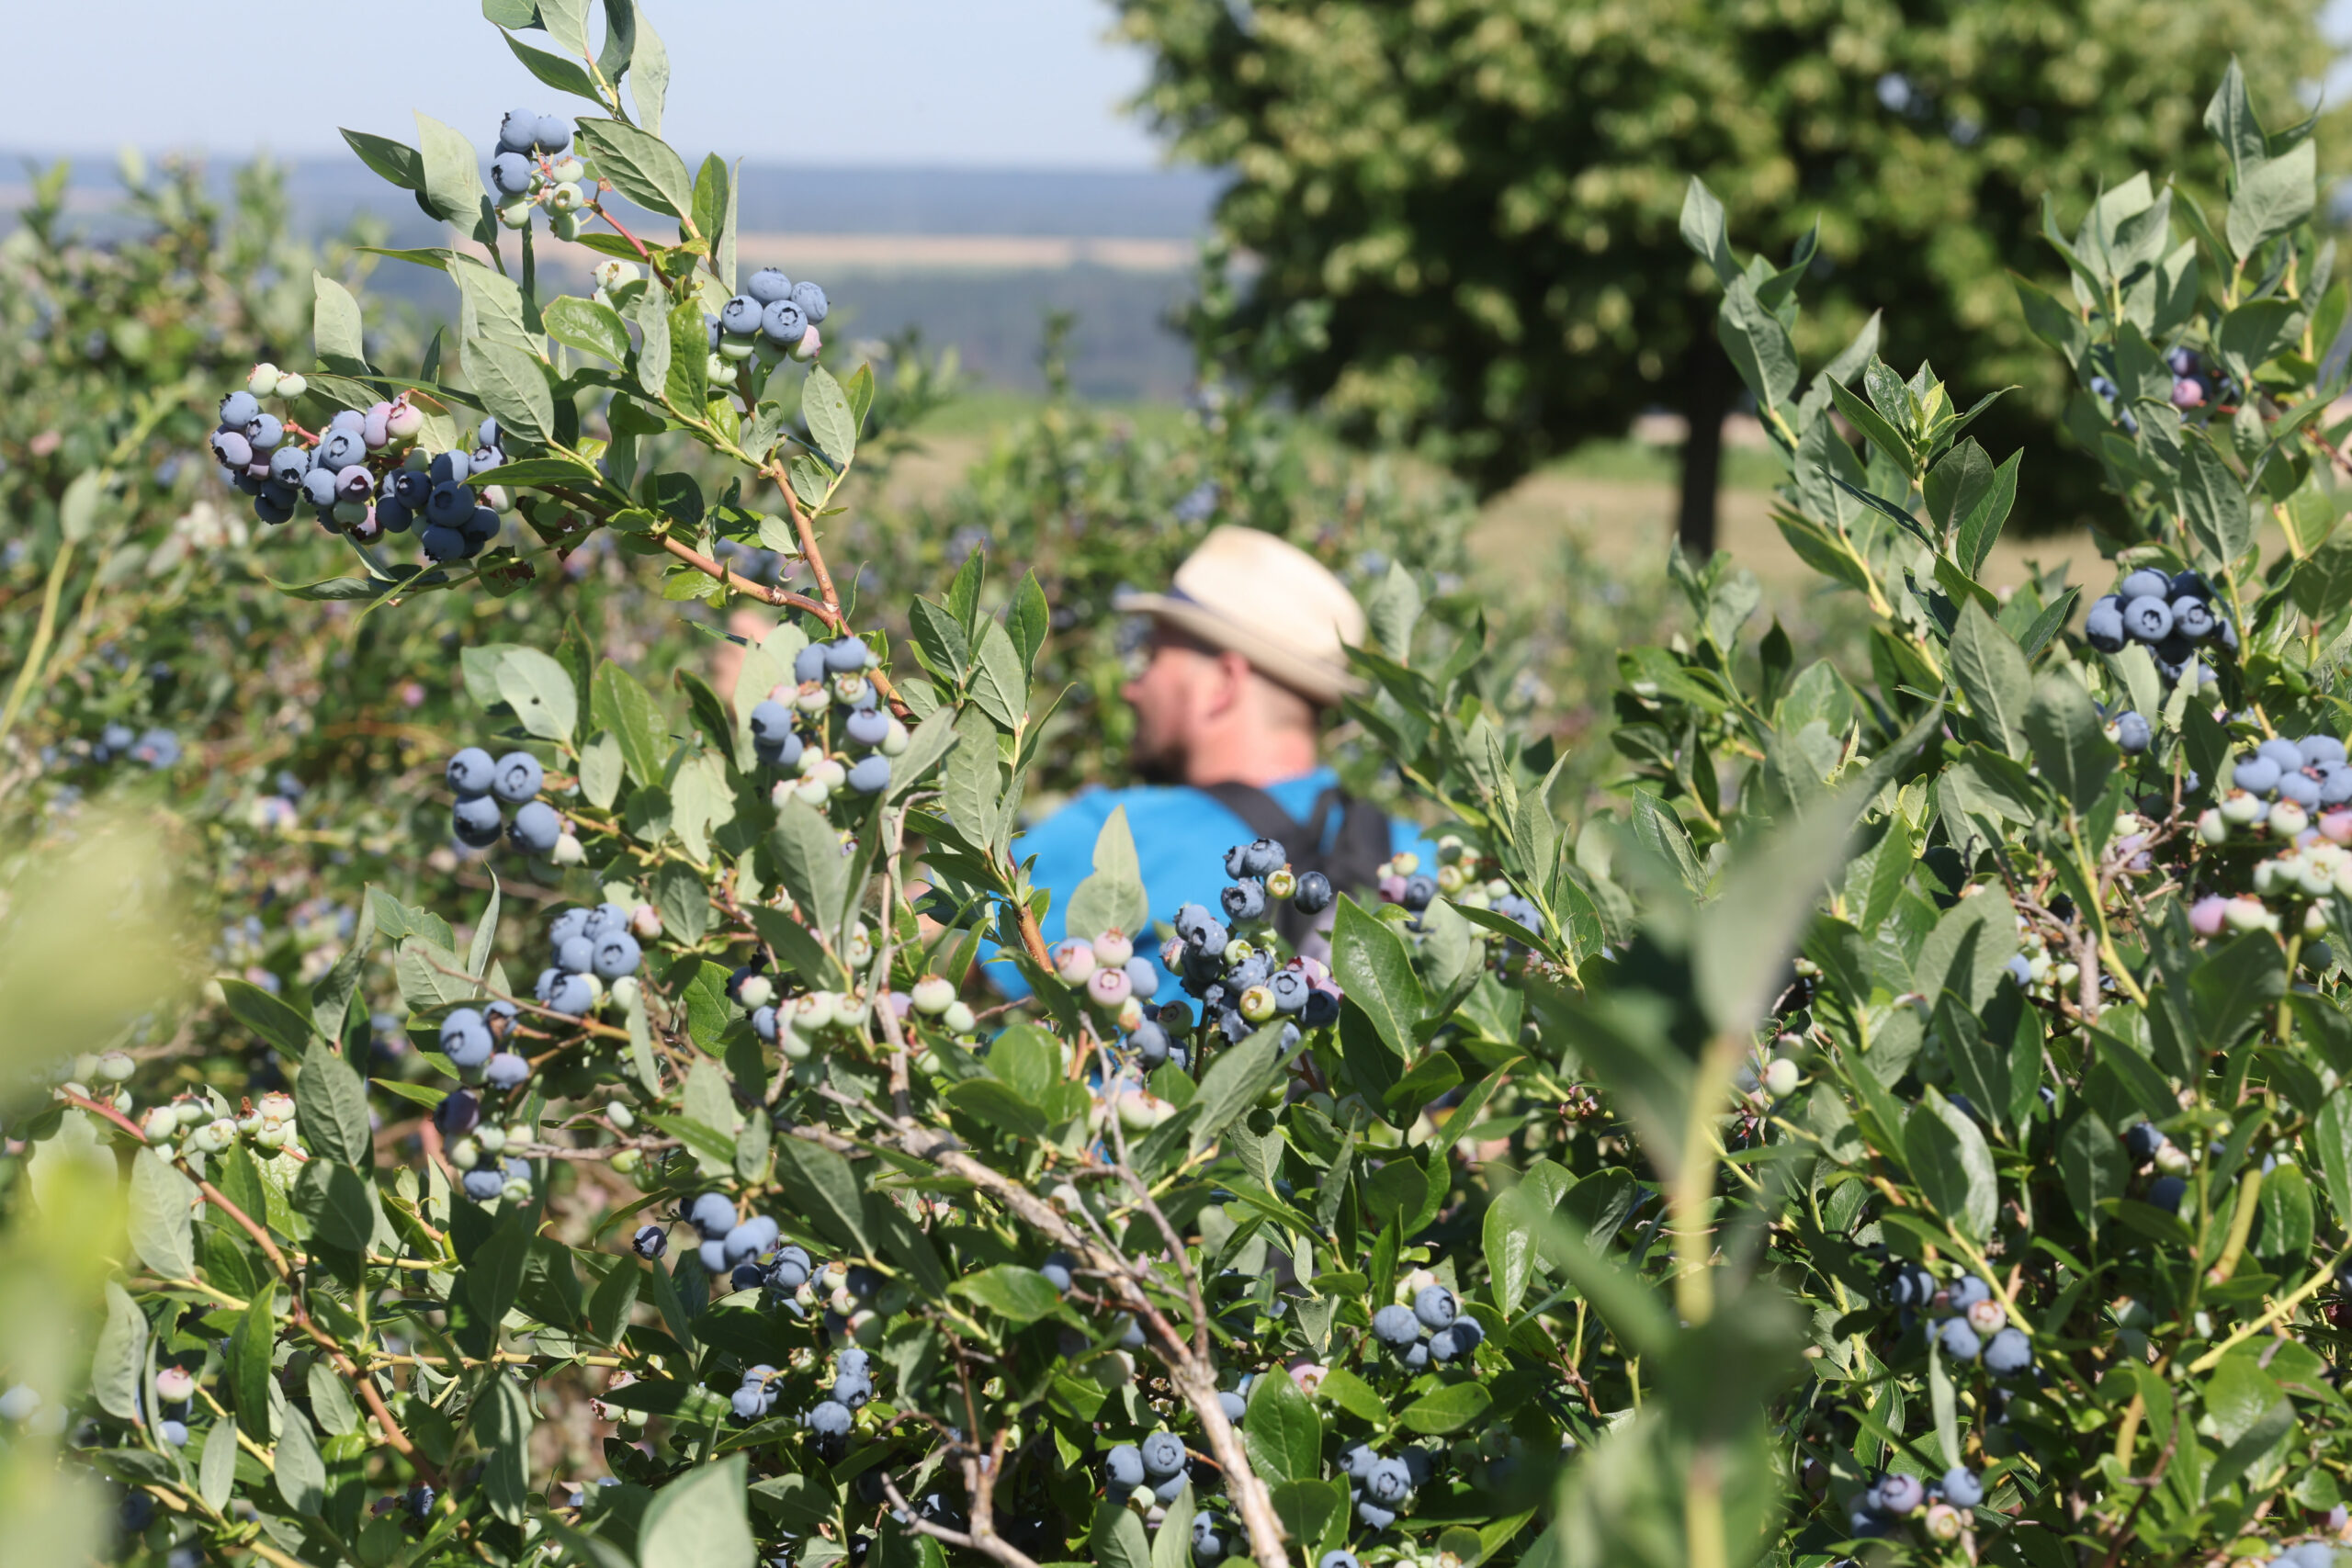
(1268, 600)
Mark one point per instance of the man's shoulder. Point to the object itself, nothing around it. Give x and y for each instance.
(1156, 806)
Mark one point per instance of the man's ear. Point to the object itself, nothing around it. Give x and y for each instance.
(1232, 684)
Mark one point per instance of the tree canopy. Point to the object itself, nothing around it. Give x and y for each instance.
(1467, 213)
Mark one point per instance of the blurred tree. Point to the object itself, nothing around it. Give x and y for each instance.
(1466, 211)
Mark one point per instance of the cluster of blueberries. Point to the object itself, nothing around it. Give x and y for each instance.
(482, 783)
(1242, 985)
(472, 1039)
(2147, 1144)
(1158, 1462)
(530, 168)
(1380, 1486)
(460, 521)
(828, 675)
(773, 317)
(1109, 970)
(1432, 1329)
(1897, 1496)
(591, 948)
(157, 747)
(1968, 1323)
(475, 1146)
(2196, 383)
(2174, 616)
(2311, 773)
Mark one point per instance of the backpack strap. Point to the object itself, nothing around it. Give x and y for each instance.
(1350, 856)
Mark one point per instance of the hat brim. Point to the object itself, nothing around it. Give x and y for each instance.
(1320, 683)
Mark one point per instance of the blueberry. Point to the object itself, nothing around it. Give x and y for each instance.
(616, 954)
(771, 721)
(1168, 1491)
(287, 464)
(811, 301)
(1963, 1487)
(2131, 733)
(1322, 1010)
(2256, 775)
(1244, 900)
(867, 726)
(870, 774)
(571, 996)
(1208, 1538)
(448, 505)
(576, 954)
(1387, 1482)
(537, 827)
(741, 316)
(809, 664)
(767, 286)
(749, 1403)
(483, 1185)
(232, 448)
(465, 1038)
(1897, 1495)
(2285, 752)
(651, 1241)
(847, 656)
(2320, 750)
(1056, 1268)
(784, 323)
(2148, 618)
(173, 1432)
(1966, 1292)
(485, 458)
(2165, 1193)
(2192, 618)
(476, 818)
(853, 1391)
(861, 1282)
(319, 485)
(458, 1113)
(713, 1257)
(517, 777)
(1122, 1470)
(1960, 1341)
(1420, 888)
(1233, 1405)
(239, 409)
(1373, 1514)
(1395, 1326)
(1457, 1342)
(1435, 1306)
(507, 1070)
(2143, 583)
(1143, 976)
(711, 1214)
(2011, 1352)
(1339, 1557)
(2299, 788)
(1163, 1455)
(451, 467)
(339, 450)
(511, 173)
(517, 131)
(552, 133)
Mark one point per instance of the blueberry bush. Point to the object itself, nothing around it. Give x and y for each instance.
(1870, 1137)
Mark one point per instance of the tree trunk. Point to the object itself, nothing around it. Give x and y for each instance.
(1707, 388)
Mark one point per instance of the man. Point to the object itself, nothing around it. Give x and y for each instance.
(1246, 654)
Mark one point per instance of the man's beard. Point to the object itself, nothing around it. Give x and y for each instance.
(1155, 764)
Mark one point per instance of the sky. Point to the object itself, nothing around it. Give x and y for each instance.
(956, 82)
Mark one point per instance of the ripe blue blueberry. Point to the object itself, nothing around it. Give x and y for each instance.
(764, 1023)
(811, 301)
(809, 664)
(507, 1070)
(831, 1419)
(571, 995)
(1122, 1470)
(870, 776)
(1963, 1487)
(1387, 1482)
(1143, 976)
(847, 656)
(1959, 1341)
(1232, 1405)
(792, 1270)
(537, 828)
(1395, 1326)
(319, 485)
(711, 1214)
(1322, 1010)
(2285, 752)
(232, 448)
(483, 1184)
(2010, 1353)
(784, 323)
(239, 409)
(1152, 1042)
(1339, 1557)
(713, 1256)
(1244, 900)
(1897, 1495)
(1056, 1268)
(173, 1432)
(1457, 1340)
(1420, 888)
(615, 954)
(2165, 1193)
(2146, 582)
(741, 316)
(447, 506)
(576, 954)
(1435, 1306)
(511, 173)
(553, 133)
(484, 459)
(465, 1038)
(1374, 1515)
(2148, 618)
(2131, 733)
(339, 450)
(287, 464)
(2299, 788)
(477, 815)
(458, 1113)
(517, 777)
(1168, 1491)
(1164, 1455)
(2320, 750)
(516, 131)
(749, 1239)
(449, 468)
(651, 1241)
(767, 286)
(771, 721)
(2256, 775)
(2192, 618)
(867, 726)
(1208, 1538)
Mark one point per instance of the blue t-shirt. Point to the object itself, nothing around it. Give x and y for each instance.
(1180, 834)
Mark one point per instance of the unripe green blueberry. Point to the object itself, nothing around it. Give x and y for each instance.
(812, 698)
(2242, 808)
(1258, 1004)
(465, 1154)
(214, 1137)
(933, 995)
(569, 850)
(625, 1162)
(895, 738)
(516, 214)
(569, 170)
(719, 367)
(1237, 952)
(755, 992)
(292, 385)
(625, 992)
(115, 1066)
(735, 350)
(563, 226)
(491, 1140)
(565, 197)
(812, 792)
(959, 1019)
(264, 381)
(1780, 1079)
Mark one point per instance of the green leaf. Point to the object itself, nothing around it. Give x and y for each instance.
(338, 1201)
(2331, 1139)
(452, 187)
(1979, 525)
(2213, 503)
(1234, 1083)
(2322, 582)
(332, 1105)
(1001, 685)
(494, 1274)
(1882, 435)
(587, 325)
(1758, 344)
(1954, 1170)
(564, 75)
(396, 161)
(639, 163)
(699, 1521)
(255, 1335)
(808, 853)
(1510, 1251)
(267, 1016)
(1447, 1410)
(2070, 745)
(824, 1189)
(512, 385)
(626, 711)
(1113, 898)
(2230, 117)
(217, 1470)
(2273, 198)
(541, 693)
(1281, 1430)
(649, 67)
(1116, 1538)
(1374, 969)
(1993, 675)
(1171, 1544)
(335, 326)
(687, 386)
(301, 1473)
(1020, 1295)
(162, 1227)
(331, 1400)
(830, 422)
(120, 1361)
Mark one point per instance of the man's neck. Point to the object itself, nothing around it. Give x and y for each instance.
(1257, 760)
